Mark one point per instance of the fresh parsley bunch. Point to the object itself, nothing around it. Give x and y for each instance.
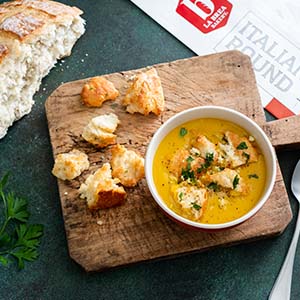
(18, 239)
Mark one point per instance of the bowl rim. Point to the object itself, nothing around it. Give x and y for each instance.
(151, 151)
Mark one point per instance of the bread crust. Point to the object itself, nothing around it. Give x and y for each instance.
(25, 19)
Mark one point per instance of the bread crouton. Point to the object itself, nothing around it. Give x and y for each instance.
(193, 200)
(238, 150)
(101, 190)
(205, 147)
(229, 179)
(145, 95)
(185, 163)
(127, 165)
(70, 165)
(97, 90)
(99, 130)
(178, 162)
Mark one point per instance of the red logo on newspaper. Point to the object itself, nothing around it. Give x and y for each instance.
(206, 15)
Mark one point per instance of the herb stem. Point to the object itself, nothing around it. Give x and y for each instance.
(4, 225)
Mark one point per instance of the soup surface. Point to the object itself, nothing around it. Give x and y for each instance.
(209, 171)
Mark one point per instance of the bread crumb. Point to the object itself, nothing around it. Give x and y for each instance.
(99, 223)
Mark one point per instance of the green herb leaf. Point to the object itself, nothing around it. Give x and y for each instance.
(3, 181)
(246, 155)
(17, 208)
(24, 253)
(183, 132)
(4, 260)
(189, 159)
(28, 235)
(253, 176)
(242, 146)
(4, 239)
(23, 243)
(180, 196)
(235, 181)
(214, 186)
(196, 206)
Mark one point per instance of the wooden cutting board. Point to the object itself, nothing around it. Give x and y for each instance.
(138, 230)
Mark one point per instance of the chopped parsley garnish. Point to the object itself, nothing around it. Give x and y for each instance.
(208, 160)
(235, 181)
(213, 186)
(196, 206)
(253, 176)
(180, 196)
(189, 159)
(242, 146)
(183, 131)
(187, 173)
(246, 155)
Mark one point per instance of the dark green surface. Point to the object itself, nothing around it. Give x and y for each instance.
(120, 37)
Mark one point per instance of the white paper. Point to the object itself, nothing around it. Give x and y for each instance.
(264, 30)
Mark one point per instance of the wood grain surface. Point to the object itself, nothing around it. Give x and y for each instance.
(138, 230)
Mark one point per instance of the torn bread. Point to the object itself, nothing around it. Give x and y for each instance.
(101, 190)
(34, 34)
(145, 94)
(127, 165)
(70, 165)
(100, 130)
(97, 90)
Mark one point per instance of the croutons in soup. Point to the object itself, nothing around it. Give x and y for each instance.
(209, 171)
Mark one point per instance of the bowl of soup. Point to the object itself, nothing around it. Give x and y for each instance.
(210, 168)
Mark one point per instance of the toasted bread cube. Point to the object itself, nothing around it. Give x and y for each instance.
(193, 200)
(229, 179)
(101, 190)
(69, 165)
(127, 165)
(178, 162)
(205, 147)
(145, 95)
(238, 150)
(99, 130)
(97, 90)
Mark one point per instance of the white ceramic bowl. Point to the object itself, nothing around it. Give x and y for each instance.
(216, 112)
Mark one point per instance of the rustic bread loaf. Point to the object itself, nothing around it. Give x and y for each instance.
(34, 34)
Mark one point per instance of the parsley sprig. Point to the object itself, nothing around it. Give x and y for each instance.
(18, 239)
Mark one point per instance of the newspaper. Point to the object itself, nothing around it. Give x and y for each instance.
(264, 30)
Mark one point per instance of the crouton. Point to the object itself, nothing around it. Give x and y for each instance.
(97, 90)
(70, 165)
(178, 162)
(205, 147)
(101, 190)
(228, 179)
(99, 130)
(185, 163)
(145, 95)
(127, 165)
(238, 150)
(193, 200)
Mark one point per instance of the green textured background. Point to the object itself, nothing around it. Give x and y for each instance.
(121, 37)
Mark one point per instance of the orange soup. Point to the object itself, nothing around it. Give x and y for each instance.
(209, 171)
